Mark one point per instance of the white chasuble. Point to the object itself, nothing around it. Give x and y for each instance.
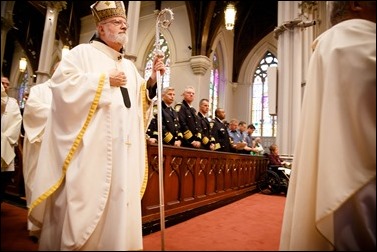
(94, 203)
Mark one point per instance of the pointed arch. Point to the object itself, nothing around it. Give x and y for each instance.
(148, 43)
(219, 48)
(268, 43)
(258, 94)
(164, 47)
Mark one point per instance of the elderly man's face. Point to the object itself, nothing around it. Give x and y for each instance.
(115, 30)
(5, 82)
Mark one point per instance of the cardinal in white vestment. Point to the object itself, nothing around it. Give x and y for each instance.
(92, 170)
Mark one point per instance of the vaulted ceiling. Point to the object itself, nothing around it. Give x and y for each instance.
(255, 19)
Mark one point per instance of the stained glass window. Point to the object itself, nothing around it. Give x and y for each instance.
(264, 123)
(165, 79)
(214, 87)
(23, 89)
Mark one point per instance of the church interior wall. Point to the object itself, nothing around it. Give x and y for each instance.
(234, 95)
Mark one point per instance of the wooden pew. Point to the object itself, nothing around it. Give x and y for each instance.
(194, 178)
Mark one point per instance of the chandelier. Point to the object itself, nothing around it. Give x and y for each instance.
(230, 16)
(22, 65)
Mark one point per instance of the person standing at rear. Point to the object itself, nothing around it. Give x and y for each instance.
(171, 133)
(220, 133)
(208, 141)
(11, 120)
(189, 120)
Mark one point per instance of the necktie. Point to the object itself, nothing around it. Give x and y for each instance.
(126, 97)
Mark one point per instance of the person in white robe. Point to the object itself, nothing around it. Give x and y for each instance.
(92, 167)
(4, 98)
(11, 121)
(36, 110)
(331, 199)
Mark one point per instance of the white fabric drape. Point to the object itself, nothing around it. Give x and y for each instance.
(335, 154)
(10, 132)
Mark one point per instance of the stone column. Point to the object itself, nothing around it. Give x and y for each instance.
(6, 24)
(133, 14)
(290, 78)
(294, 51)
(48, 40)
(201, 67)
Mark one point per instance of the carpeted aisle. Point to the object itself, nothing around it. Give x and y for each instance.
(14, 234)
(250, 224)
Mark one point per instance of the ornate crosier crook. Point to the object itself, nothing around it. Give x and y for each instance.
(164, 19)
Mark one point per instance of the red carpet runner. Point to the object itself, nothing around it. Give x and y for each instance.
(252, 223)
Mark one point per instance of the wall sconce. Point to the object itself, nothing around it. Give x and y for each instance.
(23, 64)
(230, 16)
(65, 50)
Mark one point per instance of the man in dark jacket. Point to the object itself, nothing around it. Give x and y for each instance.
(189, 120)
(220, 132)
(208, 141)
(170, 122)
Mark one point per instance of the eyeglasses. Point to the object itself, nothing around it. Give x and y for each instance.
(118, 23)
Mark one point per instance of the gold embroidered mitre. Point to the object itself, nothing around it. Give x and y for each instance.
(103, 10)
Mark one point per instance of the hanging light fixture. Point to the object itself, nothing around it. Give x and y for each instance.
(65, 50)
(23, 64)
(230, 16)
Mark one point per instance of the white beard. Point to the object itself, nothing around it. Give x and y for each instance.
(117, 38)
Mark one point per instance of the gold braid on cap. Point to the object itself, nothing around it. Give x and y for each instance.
(103, 10)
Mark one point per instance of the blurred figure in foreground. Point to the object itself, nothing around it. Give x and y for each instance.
(331, 200)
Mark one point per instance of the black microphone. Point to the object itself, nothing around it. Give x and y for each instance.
(126, 97)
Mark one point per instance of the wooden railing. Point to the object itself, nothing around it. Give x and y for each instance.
(194, 178)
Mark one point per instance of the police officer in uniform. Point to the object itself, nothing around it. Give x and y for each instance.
(189, 120)
(170, 121)
(208, 142)
(220, 132)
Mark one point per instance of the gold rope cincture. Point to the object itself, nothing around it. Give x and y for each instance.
(73, 149)
(144, 102)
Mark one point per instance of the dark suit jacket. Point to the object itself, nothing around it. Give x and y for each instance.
(221, 136)
(170, 126)
(190, 124)
(207, 138)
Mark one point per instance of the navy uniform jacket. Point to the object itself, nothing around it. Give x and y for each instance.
(207, 137)
(221, 136)
(170, 126)
(190, 124)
